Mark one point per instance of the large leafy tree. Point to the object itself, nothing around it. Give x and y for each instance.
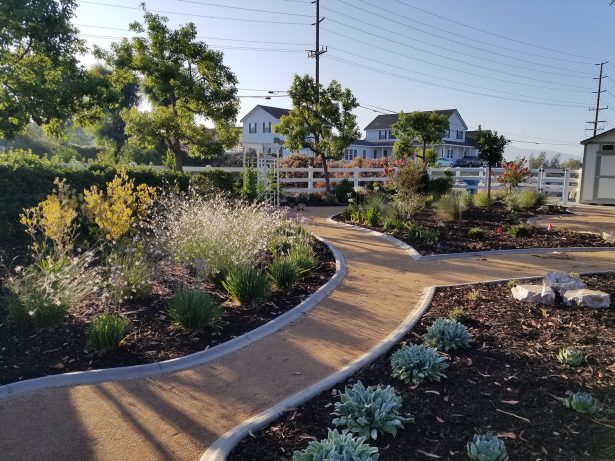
(186, 85)
(491, 150)
(427, 127)
(41, 79)
(321, 119)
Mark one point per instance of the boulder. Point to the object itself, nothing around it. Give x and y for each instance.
(537, 294)
(608, 237)
(561, 282)
(587, 298)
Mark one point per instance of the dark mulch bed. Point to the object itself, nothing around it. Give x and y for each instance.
(152, 337)
(454, 236)
(510, 368)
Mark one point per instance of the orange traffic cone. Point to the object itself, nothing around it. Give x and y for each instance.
(499, 230)
(550, 227)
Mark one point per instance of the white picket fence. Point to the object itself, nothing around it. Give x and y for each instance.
(562, 185)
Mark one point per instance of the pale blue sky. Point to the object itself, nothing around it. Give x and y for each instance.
(434, 60)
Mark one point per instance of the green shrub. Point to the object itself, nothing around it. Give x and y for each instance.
(520, 230)
(582, 402)
(245, 285)
(411, 178)
(215, 181)
(476, 233)
(486, 447)
(131, 273)
(369, 412)
(512, 284)
(107, 332)
(283, 273)
(527, 199)
(447, 334)
(482, 200)
(451, 206)
(442, 185)
(281, 245)
(372, 216)
(338, 446)
(410, 204)
(427, 235)
(417, 363)
(193, 309)
(303, 257)
(459, 315)
(249, 188)
(391, 223)
(342, 189)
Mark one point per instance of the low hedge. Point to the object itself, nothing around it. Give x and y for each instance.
(23, 186)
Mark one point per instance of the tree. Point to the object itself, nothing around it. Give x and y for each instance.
(491, 150)
(427, 127)
(321, 120)
(186, 84)
(541, 161)
(41, 79)
(572, 164)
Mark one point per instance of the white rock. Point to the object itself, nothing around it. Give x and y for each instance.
(561, 282)
(608, 237)
(587, 298)
(537, 294)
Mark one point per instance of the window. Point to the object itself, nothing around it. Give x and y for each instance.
(459, 134)
(391, 135)
(608, 147)
(252, 127)
(382, 134)
(364, 153)
(266, 127)
(448, 133)
(375, 153)
(385, 153)
(354, 154)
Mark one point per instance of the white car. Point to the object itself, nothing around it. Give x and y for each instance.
(444, 162)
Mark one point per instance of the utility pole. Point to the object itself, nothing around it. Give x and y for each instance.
(318, 50)
(598, 93)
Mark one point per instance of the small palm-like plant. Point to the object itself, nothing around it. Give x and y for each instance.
(486, 447)
(283, 273)
(570, 356)
(302, 255)
(369, 411)
(582, 402)
(193, 309)
(417, 363)
(107, 332)
(245, 285)
(447, 334)
(338, 446)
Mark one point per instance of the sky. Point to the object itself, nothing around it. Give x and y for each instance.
(525, 68)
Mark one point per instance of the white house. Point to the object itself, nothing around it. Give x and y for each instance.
(598, 181)
(258, 135)
(379, 139)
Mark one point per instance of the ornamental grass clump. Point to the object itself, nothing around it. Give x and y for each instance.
(283, 273)
(582, 402)
(417, 363)
(447, 334)
(570, 356)
(193, 309)
(245, 285)
(486, 447)
(107, 332)
(130, 273)
(452, 205)
(338, 446)
(302, 255)
(476, 233)
(482, 200)
(369, 412)
(520, 230)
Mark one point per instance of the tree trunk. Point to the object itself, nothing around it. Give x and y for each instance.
(326, 173)
(177, 152)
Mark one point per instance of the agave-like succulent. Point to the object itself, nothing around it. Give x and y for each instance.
(417, 363)
(369, 411)
(338, 446)
(487, 447)
(570, 356)
(447, 334)
(582, 402)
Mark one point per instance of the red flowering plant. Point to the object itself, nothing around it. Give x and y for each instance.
(514, 174)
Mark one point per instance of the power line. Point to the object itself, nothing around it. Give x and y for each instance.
(196, 15)
(448, 49)
(440, 66)
(455, 81)
(244, 9)
(404, 24)
(494, 34)
(352, 63)
(544, 143)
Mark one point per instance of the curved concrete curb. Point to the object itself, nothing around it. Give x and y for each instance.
(199, 358)
(222, 447)
(414, 254)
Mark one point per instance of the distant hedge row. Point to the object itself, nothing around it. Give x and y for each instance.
(23, 186)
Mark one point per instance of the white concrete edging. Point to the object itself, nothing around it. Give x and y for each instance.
(414, 254)
(198, 358)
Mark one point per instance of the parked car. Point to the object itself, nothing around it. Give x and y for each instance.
(468, 162)
(444, 162)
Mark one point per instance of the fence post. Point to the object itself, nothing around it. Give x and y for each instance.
(356, 177)
(579, 184)
(310, 180)
(539, 186)
(566, 186)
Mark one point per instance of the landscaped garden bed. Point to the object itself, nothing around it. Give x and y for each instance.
(107, 283)
(508, 381)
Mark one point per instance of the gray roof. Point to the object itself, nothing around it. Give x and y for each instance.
(276, 112)
(598, 136)
(385, 121)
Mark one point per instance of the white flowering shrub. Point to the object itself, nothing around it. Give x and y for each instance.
(338, 446)
(447, 334)
(417, 363)
(215, 234)
(486, 447)
(369, 411)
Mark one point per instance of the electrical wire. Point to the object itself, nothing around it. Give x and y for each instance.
(245, 9)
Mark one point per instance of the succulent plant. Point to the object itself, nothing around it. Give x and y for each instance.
(570, 356)
(487, 447)
(338, 446)
(447, 334)
(582, 402)
(459, 315)
(417, 363)
(369, 411)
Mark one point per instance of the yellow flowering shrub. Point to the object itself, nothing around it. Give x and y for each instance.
(115, 210)
(54, 217)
